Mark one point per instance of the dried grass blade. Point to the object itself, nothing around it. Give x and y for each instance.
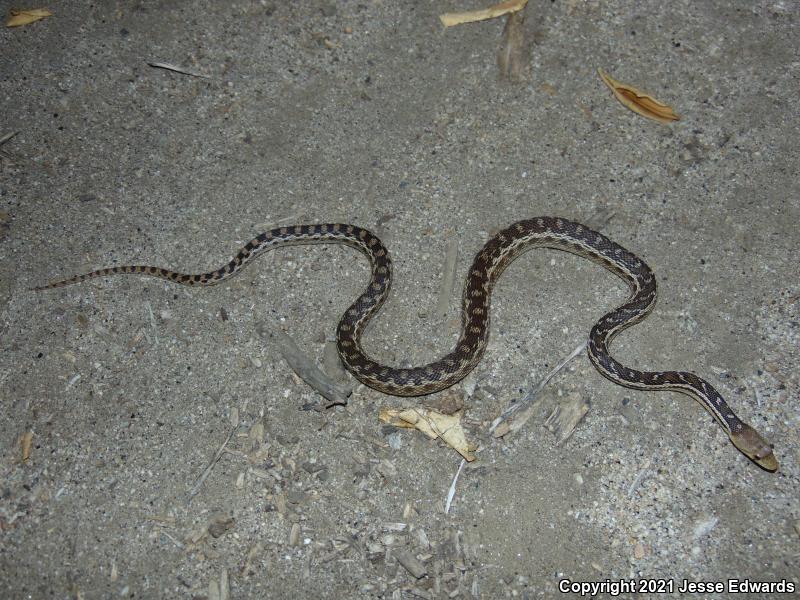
(638, 101)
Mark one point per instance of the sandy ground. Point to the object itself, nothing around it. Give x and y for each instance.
(369, 112)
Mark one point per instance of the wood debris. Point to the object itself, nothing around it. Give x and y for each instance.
(566, 416)
(517, 414)
(25, 442)
(410, 563)
(305, 368)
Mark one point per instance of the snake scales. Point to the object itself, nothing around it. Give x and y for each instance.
(487, 267)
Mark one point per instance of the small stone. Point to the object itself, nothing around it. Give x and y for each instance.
(395, 440)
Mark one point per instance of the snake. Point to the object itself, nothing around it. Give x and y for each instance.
(488, 265)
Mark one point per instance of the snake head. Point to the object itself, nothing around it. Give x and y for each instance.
(754, 447)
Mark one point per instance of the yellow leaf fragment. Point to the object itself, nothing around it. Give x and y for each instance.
(18, 17)
(498, 10)
(434, 425)
(638, 101)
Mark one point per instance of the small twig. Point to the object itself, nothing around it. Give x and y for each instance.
(452, 491)
(199, 483)
(7, 136)
(523, 410)
(638, 479)
(169, 67)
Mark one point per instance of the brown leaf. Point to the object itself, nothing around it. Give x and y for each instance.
(638, 101)
(18, 18)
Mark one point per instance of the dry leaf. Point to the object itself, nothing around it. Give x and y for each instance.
(638, 101)
(434, 425)
(498, 10)
(18, 18)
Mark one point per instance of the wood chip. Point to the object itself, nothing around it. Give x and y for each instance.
(306, 369)
(639, 102)
(25, 442)
(410, 563)
(566, 416)
(294, 535)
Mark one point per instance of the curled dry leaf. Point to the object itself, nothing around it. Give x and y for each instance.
(498, 10)
(638, 101)
(18, 17)
(434, 425)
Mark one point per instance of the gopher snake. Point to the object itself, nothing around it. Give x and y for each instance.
(487, 267)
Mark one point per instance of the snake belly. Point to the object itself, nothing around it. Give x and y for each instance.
(488, 265)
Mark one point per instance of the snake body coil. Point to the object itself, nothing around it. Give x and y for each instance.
(486, 268)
